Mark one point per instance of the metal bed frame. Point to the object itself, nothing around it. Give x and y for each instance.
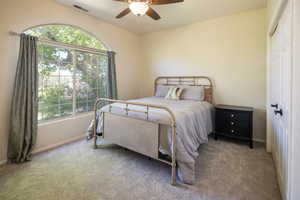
(126, 122)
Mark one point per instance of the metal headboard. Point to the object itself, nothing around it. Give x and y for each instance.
(202, 81)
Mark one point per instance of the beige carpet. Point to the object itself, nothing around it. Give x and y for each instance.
(225, 171)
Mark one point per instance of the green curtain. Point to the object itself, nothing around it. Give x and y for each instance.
(23, 128)
(112, 76)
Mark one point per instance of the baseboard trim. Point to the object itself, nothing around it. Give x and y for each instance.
(50, 147)
(259, 140)
(3, 162)
(75, 139)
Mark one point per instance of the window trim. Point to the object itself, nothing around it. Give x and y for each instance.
(72, 47)
(60, 119)
(107, 47)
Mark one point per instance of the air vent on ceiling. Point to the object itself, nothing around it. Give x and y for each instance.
(80, 8)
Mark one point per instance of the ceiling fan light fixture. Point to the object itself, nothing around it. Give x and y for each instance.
(139, 8)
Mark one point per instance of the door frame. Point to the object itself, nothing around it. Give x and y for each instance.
(273, 19)
(294, 147)
(293, 173)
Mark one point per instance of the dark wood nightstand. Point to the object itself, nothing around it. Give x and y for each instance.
(235, 122)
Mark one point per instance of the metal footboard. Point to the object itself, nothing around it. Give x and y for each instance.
(146, 112)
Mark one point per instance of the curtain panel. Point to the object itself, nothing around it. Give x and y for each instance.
(23, 127)
(112, 76)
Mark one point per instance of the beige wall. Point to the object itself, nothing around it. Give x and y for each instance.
(231, 50)
(62, 131)
(19, 15)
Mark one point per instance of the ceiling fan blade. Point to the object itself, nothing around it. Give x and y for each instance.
(125, 1)
(153, 14)
(161, 2)
(123, 13)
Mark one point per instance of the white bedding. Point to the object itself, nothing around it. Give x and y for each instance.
(193, 125)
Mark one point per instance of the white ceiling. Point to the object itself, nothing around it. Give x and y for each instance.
(172, 15)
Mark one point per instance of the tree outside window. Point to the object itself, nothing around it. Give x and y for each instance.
(69, 80)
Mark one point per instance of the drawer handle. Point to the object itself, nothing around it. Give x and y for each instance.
(232, 115)
(232, 123)
(232, 131)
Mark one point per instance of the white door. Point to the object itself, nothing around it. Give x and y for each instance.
(280, 94)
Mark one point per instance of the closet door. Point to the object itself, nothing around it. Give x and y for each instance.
(280, 94)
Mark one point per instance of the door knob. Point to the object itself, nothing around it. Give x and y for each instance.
(274, 106)
(278, 112)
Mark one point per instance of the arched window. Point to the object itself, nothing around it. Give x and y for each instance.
(73, 67)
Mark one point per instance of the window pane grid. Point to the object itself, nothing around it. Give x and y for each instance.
(69, 82)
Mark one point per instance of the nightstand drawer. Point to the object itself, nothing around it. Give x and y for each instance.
(224, 120)
(236, 131)
(232, 116)
(238, 116)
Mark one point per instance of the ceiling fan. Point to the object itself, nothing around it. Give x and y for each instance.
(142, 7)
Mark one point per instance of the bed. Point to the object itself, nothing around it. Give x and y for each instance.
(170, 131)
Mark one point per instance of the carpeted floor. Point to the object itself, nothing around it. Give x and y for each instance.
(225, 171)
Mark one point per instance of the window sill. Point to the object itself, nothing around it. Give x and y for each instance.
(77, 116)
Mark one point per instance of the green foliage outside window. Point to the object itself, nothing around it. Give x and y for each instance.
(66, 34)
(69, 80)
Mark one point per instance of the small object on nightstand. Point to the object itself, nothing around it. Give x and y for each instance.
(235, 122)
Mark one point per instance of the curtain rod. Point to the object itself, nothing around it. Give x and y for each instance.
(64, 45)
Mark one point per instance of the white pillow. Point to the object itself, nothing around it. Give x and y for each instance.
(161, 90)
(196, 93)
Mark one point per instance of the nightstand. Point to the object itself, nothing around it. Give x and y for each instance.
(234, 122)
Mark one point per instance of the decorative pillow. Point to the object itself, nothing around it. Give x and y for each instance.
(161, 90)
(174, 93)
(178, 93)
(196, 93)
